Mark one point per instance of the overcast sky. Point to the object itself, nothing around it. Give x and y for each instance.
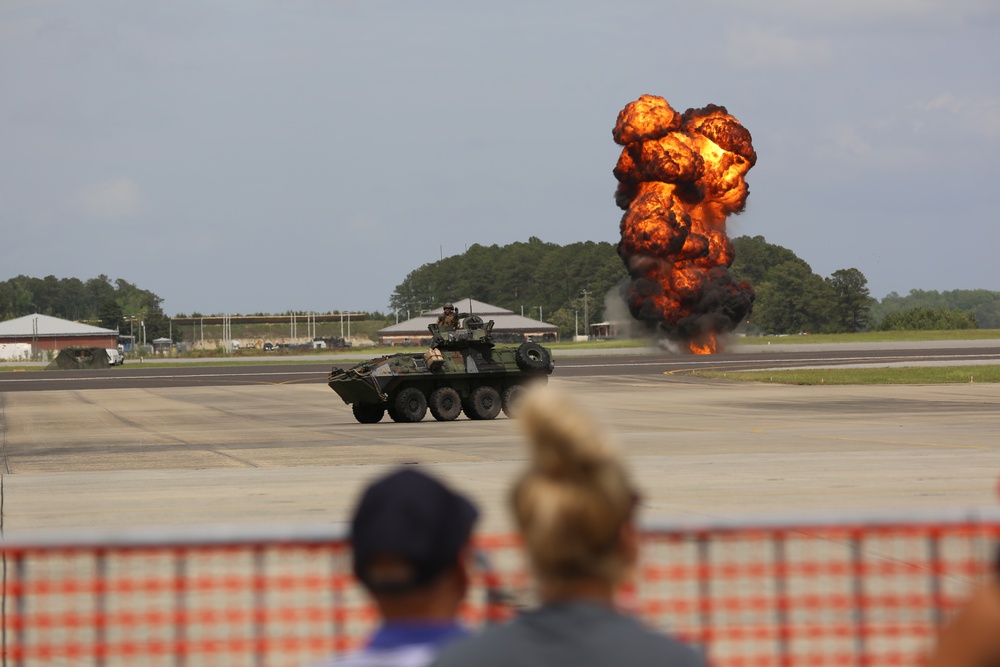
(264, 156)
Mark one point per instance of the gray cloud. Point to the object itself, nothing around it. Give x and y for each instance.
(757, 46)
(109, 200)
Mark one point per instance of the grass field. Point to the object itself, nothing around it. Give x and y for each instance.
(875, 337)
(908, 375)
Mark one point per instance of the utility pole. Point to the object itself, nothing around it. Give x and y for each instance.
(586, 314)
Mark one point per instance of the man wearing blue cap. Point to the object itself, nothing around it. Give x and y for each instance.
(410, 540)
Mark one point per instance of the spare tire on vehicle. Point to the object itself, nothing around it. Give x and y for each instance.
(532, 357)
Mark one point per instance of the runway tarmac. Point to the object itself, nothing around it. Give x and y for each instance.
(112, 460)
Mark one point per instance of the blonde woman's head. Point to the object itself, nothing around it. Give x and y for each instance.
(576, 499)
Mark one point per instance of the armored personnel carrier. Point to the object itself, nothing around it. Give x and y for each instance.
(463, 371)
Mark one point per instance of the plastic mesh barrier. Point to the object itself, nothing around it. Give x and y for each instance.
(749, 595)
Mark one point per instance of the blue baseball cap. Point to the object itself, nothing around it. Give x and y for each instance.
(413, 518)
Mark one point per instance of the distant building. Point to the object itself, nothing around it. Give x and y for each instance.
(161, 345)
(603, 330)
(508, 327)
(28, 336)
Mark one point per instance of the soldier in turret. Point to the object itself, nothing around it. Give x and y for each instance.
(449, 318)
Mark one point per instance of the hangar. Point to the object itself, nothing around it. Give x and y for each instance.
(27, 337)
(509, 327)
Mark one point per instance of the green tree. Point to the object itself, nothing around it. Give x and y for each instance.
(755, 258)
(111, 316)
(988, 314)
(853, 300)
(15, 299)
(793, 299)
(46, 294)
(565, 319)
(98, 291)
(158, 326)
(72, 300)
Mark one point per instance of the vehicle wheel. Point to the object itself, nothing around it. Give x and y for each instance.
(467, 408)
(445, 404)
(512, 397)
(483, 403)
(532, 357)
(368, 413)
(410, 404)
(393, 414)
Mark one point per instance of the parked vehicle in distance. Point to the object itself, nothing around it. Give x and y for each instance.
(84, 358)
(115, 357)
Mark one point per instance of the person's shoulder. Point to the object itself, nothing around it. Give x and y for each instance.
(414, 655)
(494, 641)
(642, 639)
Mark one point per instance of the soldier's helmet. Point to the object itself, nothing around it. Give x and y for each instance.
(449, 306)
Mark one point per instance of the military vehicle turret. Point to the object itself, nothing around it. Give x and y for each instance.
(463, 371)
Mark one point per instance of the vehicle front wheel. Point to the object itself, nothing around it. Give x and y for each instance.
(483, 403)
(368, 413)
(445, 404)
(410, 404)
(392, 412)
(512, 398)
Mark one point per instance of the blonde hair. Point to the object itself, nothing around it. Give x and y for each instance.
(572, 502)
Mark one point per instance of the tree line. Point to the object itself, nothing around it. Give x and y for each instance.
(791, 298)
(118, 305)
(565, 286)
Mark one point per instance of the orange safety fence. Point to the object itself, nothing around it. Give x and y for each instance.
(749, 594)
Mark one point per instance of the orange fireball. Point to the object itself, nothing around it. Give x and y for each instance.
(679, 177)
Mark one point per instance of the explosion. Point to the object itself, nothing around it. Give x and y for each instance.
(679, 177)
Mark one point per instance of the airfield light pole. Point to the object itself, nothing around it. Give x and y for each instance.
(131, 333)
